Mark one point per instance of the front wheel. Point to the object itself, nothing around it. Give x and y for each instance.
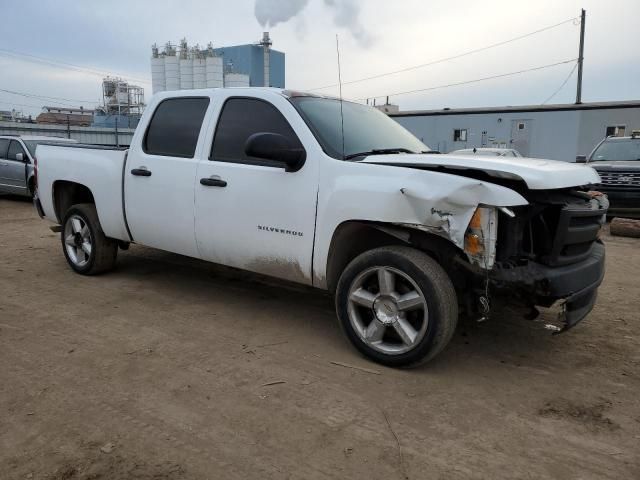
(397, 306)
(86, 248)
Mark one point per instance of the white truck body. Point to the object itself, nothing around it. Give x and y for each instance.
(277, 222)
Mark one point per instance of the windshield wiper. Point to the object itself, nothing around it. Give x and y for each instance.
(378, 151)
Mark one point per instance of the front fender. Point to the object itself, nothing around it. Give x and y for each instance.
(440, 203)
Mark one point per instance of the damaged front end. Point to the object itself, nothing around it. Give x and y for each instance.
(539, 254)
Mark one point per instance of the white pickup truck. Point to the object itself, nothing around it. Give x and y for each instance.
(338, 196)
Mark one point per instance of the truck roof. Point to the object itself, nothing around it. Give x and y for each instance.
(285, 92)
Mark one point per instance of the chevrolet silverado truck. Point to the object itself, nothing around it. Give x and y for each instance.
(334, 195)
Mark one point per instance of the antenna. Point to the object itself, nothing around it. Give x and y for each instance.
(340, 84)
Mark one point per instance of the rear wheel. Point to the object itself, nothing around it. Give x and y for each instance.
(86, 248)
(397, 306)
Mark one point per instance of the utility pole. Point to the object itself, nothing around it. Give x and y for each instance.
(583, 19)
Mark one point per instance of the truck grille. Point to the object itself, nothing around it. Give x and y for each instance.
(577, 229)
(555, 229)
(619, 179)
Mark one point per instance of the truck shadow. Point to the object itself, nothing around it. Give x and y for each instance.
(15, 198)
(292, 309)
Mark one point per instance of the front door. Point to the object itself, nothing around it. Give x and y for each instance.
(160, 175)
(13, 172)
(255, 215)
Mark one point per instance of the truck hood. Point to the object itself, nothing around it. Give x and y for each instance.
(537, 174)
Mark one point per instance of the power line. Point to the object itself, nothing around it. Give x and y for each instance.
(475, 80)
(45, 97)
(13, 104)
(68, 66)
(563, 83)
(54, 103)
(446, 59)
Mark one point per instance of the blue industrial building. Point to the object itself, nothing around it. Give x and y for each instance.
(249, 60)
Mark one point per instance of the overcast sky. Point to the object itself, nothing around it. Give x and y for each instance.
(376, 36)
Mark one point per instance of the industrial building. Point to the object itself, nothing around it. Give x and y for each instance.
(183, 68)
(557, 132)
(65, 115)
(122, 104)
(14, 116)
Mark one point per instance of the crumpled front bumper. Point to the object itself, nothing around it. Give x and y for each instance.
(543, 285)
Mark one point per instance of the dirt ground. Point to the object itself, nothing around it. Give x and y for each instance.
(172, 368)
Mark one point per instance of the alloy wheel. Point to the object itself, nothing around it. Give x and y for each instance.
(388, 310)
(77, 240)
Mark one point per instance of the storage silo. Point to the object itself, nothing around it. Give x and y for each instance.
(171, 72)
(186, 73)
(236, 80)
(158, 83)
(199, 73)
(214, 72)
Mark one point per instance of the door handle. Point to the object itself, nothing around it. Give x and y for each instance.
(214, 181)
(141, 172)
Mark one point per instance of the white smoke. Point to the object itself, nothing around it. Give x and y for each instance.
(346, 14)
(269, 13)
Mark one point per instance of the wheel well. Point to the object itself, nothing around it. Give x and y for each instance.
(66, 194)
(353, 238)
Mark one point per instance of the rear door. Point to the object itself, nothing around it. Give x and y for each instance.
(258, 217)
(13, 171)
(160, 173)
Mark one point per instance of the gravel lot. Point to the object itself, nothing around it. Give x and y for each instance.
(174, 368)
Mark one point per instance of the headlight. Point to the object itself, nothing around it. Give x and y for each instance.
(480, 237)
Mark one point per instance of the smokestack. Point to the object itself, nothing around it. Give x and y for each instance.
(266, 46)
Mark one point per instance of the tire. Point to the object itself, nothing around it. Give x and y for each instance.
(382, 291)
(80, 228)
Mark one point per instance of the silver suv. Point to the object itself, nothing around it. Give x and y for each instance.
(17, 158)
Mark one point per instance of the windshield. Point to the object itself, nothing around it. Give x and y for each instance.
(627, 149)
(365, 128)
(489, 153)
(486, 153)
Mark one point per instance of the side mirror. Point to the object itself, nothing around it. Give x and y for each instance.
(20, 157)
(581, 159)
(273, 146)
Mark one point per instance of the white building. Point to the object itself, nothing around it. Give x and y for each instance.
(558, 132)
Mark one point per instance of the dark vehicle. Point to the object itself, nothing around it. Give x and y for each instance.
(617, 161)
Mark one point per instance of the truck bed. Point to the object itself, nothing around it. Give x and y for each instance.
(99, 168)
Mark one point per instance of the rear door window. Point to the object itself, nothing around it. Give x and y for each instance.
(241, 118)
(175, 127)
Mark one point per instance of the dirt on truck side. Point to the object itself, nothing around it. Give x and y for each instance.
(173, 368)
